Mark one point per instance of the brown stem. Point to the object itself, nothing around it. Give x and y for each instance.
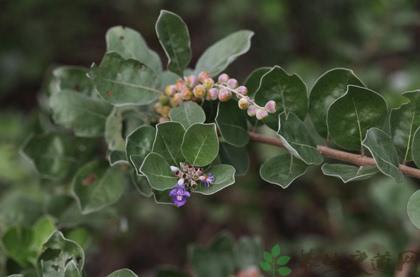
(335, 154)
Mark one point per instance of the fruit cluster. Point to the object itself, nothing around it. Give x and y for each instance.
(202, 87)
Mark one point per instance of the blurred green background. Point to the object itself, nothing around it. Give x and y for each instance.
(379, 40)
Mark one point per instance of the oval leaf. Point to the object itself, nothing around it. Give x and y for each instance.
(138, 144)
(351, 115)
(253, 80)
(188, 113)
(236, 156)
(282, 169)
(224, 176)
(218, 56)
(168, 140)
(232, 123)
(383, 151)
(158, 172)
(174, 37)
(348, 173)
(125, 82)
(200, 145)
(329, 86)
(96, 186)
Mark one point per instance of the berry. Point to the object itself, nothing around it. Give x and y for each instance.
(223, 78)
(187, 94)
(242, 90)
(203, 76)
(232, 83)
(170, 90)
(212, 94)
(261, 113)
(208, 83)
(199, 91)
(252, 110)
(224, 95)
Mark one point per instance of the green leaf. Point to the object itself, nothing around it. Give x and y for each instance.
(282, 169)
(383, 151)
(329, 86)
(168, 140)
(96, 186)
(122, 273)
(58, 253)
(54, 156)
(275, 251)
(200, 145)
(71, 78)
(43, 229)
(129, 44)
(283, 260)
(141, 184)
(297, 139)
(158, 172)
(415, 149)
(139, 144)
(80, 235)
(218, 56)
(188, 113)
(125, 82)
(268, 257)
(174, 37)
(404, 121)
(265, 266)
(84, 115)
(16, 241)
(284, 271)
(114, 130)
(232, 123)
(253, 80)
(117, 157)
(413, 209)
(235, 156)
(288, 91)
(350, 116)
(71, 270)
(224, 176)
(349, 173)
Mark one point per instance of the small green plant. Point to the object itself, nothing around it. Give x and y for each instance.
(275, 264)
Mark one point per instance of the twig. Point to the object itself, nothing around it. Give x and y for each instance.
(335, 154)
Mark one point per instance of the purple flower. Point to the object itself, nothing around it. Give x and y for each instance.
(207, 180)
(179, 194)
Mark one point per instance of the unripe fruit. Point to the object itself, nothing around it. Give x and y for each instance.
(232, 83)
(261, 114)
(223, 78)
(208, 83)
(164, 100)
(224, 95)
(158, 107)
(191, 80)
(212, 94)
(202, 76)
(176, 100)
(187, 94)
(252, 110)
(243, 103)
(165, 111)
(199, 91)
(270, 106)
(242, 90)
(170, 90)
(180, 85)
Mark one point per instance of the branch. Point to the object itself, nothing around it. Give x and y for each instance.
(335, 154)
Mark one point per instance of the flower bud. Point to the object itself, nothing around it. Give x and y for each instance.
(174, 169)
(202, 76)
(208, 83)
(187, 94)
(270, 106)
(191, 80)
(181, 182)
(243, 103)
(232, 83)
(224, 95)
(242, 90)
(199, 91)
(176, 100)
(252, 110)
(223, 78)
(170, 90)
(212, 94)
(261, 114)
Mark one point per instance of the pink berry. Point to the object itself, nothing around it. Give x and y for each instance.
(202, 76)
(223, 78)
(261, 114)
(270, 106)
(224, 95)
(191, 80)
(243, 103)
(242, 90)
(232, 83)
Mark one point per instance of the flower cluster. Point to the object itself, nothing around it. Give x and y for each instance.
(188, 179)
(202, 87)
